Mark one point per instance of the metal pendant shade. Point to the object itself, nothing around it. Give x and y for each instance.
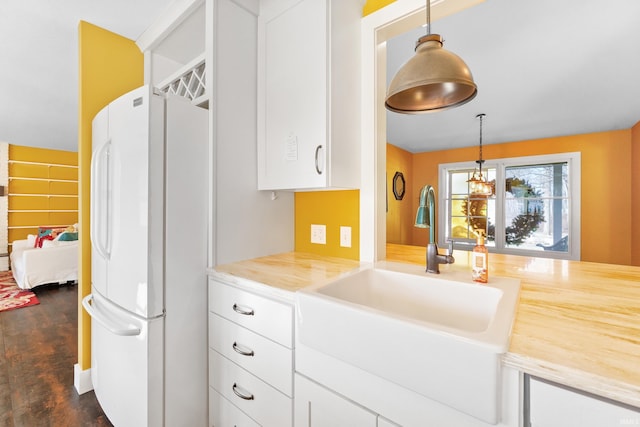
(434, 79)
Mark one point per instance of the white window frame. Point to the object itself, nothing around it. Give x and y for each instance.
(574, 176)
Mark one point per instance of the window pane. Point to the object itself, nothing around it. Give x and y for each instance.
(459, 182)
(458, 207)
(482, 218)
(545, 237)
(467, 213)
(536, 207)
(550, 180)
(523, 220)
(491, 225)
(459, 228)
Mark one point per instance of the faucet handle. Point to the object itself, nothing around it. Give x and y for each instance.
(450, 250)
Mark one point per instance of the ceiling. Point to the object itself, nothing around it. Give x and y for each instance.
(39, 57)
(543, 68)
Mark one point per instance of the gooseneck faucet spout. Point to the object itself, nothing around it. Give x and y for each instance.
(425, 217)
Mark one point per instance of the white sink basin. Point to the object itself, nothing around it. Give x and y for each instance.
(440, 336)
(441, 303)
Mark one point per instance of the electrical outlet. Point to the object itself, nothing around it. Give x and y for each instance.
(319, 234)
(345, 237)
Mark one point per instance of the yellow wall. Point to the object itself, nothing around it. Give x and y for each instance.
(109, 66)
(635, 195)
(400, 213)
(333, 209)
(43, 189)
(606, 195)
(373, 5)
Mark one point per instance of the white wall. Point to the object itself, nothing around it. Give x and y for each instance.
(246, 223)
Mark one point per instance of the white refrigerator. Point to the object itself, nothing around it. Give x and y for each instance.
(148, 301)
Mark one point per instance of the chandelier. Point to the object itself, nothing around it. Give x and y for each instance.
(478, 184)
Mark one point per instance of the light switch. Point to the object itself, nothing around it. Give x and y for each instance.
(319, 234)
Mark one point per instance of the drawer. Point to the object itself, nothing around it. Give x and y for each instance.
(265, 316)
(263, 403)
(223, 414)
(266, 359)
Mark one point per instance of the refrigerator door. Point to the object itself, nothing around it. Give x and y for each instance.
(99, 232)
(127, 215)
(128, 382)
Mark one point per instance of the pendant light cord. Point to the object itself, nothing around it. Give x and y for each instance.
(480, 116)
(428, 17)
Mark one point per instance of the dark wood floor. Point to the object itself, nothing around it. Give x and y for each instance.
(38, 348)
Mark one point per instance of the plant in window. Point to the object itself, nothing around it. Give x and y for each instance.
(524, 225)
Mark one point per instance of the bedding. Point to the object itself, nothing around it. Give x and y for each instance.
(56, 261)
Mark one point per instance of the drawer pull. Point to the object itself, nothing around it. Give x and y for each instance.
(243, 310)
(239, 350)
(241, 395)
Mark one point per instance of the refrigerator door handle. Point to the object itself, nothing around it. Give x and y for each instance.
(96, 206)
(104, 321)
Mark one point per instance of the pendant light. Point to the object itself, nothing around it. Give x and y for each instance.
(478, 184)
(433, 80)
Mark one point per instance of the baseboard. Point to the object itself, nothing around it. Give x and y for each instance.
(82, 379)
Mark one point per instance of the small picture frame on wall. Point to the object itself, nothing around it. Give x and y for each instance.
(398, 186)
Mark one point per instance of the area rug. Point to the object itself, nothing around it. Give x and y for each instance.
(11, 296)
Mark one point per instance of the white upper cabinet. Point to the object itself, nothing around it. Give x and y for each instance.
(309, 94)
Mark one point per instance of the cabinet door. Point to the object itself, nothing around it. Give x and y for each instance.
(294, 130)
(555, 406)
(316, 406)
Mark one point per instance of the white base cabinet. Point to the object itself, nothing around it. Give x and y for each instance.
(389, 400)
(250, 358)
(223, 413)
(316, 406)
(383, 422)
(556, 406)
(252, 381)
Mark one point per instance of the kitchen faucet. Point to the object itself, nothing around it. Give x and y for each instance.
(425, 217)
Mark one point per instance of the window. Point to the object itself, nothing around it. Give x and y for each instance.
(535, 208)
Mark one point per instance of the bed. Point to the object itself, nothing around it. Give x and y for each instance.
(55, 262)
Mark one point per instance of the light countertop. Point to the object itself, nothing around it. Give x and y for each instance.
(577, 323)
(287, 272)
